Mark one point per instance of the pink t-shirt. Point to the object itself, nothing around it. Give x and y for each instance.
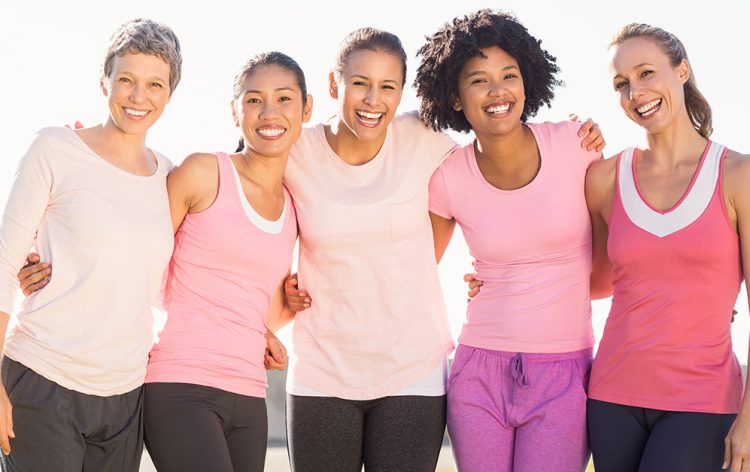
(532, 246)
(223, 274)
(667, 344)
(378, 321)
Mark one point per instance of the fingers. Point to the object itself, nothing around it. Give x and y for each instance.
(469, 277)
(34, 277)
(727, 453)
(32, 258)
(297, 300)
(474, 285)
(573, 117)
(592, 134)
(275, 360)
(6, 432)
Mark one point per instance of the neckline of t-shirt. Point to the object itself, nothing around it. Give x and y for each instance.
(373, 163)
(256, 219)
(109, 165)
(529, 186)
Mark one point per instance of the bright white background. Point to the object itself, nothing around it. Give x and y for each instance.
(50, 53)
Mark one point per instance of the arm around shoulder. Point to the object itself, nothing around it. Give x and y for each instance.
(600, 189)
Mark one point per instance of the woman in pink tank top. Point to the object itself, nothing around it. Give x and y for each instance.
(674, 219)
(235, 232)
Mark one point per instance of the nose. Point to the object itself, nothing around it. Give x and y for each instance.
(635, 90)
(497, 88)
(269, 110)
(137, 94)
(372, 97)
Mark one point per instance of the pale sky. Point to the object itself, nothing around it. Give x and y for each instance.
(50, 54)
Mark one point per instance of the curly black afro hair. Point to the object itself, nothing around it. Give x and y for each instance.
(447, 51)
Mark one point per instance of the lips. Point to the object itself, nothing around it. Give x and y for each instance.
(135, 113)
(647, 109)
(498, 109)
(369, 119)
(271, 132)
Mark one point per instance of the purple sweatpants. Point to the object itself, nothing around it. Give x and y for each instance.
(518, 412)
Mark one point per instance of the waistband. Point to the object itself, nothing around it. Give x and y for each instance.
(534, 357)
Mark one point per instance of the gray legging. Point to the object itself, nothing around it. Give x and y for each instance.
(196, 428)
(389, 434)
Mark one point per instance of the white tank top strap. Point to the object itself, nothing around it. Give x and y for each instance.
(689, 209)
(267, 226)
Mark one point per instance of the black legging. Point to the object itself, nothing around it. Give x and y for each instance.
(390, 434)
(632, 439)
(196, 428)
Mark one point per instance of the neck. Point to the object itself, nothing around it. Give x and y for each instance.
(510, 150)
(130, 147)
(266, 172)
(349, 147)
(676, 144)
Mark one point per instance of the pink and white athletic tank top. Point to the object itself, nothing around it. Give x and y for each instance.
(228, 261)
(677, 274)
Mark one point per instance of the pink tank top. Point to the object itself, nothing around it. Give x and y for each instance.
(677, 274)
(224, 270)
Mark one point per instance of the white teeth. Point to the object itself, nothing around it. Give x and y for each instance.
(369, 115)
(649, 107)
(271, 132)
(131, 111)
(498, 108)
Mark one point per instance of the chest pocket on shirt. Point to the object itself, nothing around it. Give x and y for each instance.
(406, 217)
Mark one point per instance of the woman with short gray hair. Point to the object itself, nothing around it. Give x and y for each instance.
(89, 200)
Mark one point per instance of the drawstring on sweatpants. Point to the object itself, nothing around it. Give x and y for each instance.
(517, 370)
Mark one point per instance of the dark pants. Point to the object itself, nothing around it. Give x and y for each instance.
(60, 430)
(629, 439)
(390, 434)
(197, 428)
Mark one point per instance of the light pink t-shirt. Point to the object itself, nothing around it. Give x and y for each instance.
(223, 274)
(108, 236)
(532, 246)
(378, 321)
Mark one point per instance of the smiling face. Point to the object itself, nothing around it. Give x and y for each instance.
(270, 111)
(491, 92)
(650, 88)
(368, 92)
(137, 90)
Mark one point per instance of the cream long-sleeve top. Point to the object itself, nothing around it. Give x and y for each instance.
(108, 236)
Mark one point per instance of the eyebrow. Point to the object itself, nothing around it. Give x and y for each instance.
(367, 78)
(643, 64)
(481, 71)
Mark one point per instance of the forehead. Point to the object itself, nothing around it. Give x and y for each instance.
(381, 62)
(141, 64)
(635, 51)
(492, 57)
(270, 76)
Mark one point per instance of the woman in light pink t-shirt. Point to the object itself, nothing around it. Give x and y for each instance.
(518, 382)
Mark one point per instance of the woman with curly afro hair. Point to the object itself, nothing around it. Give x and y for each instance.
(517, 390)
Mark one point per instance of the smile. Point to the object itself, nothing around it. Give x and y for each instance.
(369, 119)
(649, 108)
(271, 132)
(135, 113)
(498, 109)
